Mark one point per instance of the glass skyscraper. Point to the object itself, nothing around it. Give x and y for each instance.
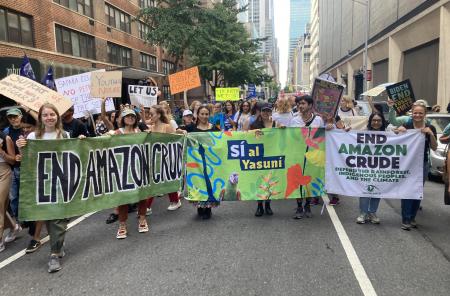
(299, 16)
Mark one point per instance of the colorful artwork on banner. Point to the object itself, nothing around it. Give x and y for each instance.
(184, 80)
(242, 166)
(78, 89)
(227, 94)
(326, 96)
(375, 164)
(32, 94)
(403, 96)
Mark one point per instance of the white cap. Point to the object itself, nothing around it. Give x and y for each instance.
(187, 112)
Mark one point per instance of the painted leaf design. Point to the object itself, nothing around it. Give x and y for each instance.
(316, 157)
(192, 165)
(295, 179)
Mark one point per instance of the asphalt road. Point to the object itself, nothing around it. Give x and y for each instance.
(236, 253)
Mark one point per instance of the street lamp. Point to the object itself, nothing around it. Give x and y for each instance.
(366, 3)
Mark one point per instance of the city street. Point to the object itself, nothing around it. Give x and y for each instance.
(236, 253)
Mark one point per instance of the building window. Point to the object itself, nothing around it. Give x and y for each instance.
(143, 30)
(80, 6)
(118, 54)
(117, 18)
(168, 67)
(74, 43)
(306, 57)
(15, 27)
(147, 3)
(148, 62)
(166, 92)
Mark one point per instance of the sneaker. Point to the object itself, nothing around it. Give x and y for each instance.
(53, 264)
(299, 214)
(122, 231)
(112, 218)
(334, 201)
(361, 219)
(373, 218)
(308, 213)
(413, 223)
(149, 212)
(143, 226)
(406, 226)
(2, 246)
(13, 233)
(33, 246)
(174, 206)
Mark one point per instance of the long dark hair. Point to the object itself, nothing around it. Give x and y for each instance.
(241, 109)
(233, 108)
(198, 112)
(384, 124)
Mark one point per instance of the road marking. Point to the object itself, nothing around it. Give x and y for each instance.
(358, 269)
(43, 241)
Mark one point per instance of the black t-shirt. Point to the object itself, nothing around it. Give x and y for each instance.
(212, 129)
(142, 126)
(410, 125)
(75, 128)
(189, 128)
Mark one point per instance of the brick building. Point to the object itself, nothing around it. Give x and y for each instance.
(77, 36)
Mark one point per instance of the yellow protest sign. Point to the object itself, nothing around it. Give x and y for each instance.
(227, 94)
(184, 80)
(106, 84)
(32, 94)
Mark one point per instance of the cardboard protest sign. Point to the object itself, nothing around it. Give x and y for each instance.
(106, 84)
(375, 164)
(65, 178)
(32, 94)
(326, 96)
(239, 166)
(227, 94)
(78, 89)
(143, 95)
(184, 80)
(403, 96)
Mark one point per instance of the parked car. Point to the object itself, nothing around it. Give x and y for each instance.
(437, 158)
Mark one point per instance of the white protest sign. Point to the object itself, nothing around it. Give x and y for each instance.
(143, 95)
(375, 164)
(78, 89)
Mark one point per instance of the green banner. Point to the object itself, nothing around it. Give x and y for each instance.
(71, 177)
(279, 164)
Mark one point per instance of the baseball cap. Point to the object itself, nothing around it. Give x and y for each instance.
(187, 113)
(128, 111)
(14, 111)
(266, 106)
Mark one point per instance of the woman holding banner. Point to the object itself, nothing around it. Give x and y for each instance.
(129, 123)
(161, 124)
(418, 122)
(49, 127)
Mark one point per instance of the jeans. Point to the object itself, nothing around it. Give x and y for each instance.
(411, 206)
(14, 192)
(368, 204)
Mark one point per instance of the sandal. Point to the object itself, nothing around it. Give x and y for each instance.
(143, 226)
(122, 231)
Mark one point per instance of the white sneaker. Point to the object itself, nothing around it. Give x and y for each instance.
(149, 212)
(374, 219)
(174, 206)
(13, 233)
(361, 219)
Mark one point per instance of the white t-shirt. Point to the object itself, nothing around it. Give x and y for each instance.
(282, 118)
(297, 121)
(46, 136)
(348, 113)
(174, 124)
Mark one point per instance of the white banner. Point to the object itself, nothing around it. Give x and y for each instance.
(78, 89)
(143, 95)
(375, 164)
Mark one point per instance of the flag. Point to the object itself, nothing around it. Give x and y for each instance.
(48, 80)
(26, 70)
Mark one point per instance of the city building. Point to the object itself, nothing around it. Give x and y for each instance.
(301, 62)
(406, 40)
(79, 36)
(299, 16)
(314, 59)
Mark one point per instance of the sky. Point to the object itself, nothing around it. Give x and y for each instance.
(281, 10)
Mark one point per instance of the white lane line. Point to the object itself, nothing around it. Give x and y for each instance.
(358, 269)
(43, 241)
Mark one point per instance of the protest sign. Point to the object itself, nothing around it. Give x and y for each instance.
(78, 89)
(184, 80)
(106, 84)
(403, 96)
(242, 166)
(375, 164)
(227, 94)
(73, 177)
(32, 94)
(143, 95)
(326, 96)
